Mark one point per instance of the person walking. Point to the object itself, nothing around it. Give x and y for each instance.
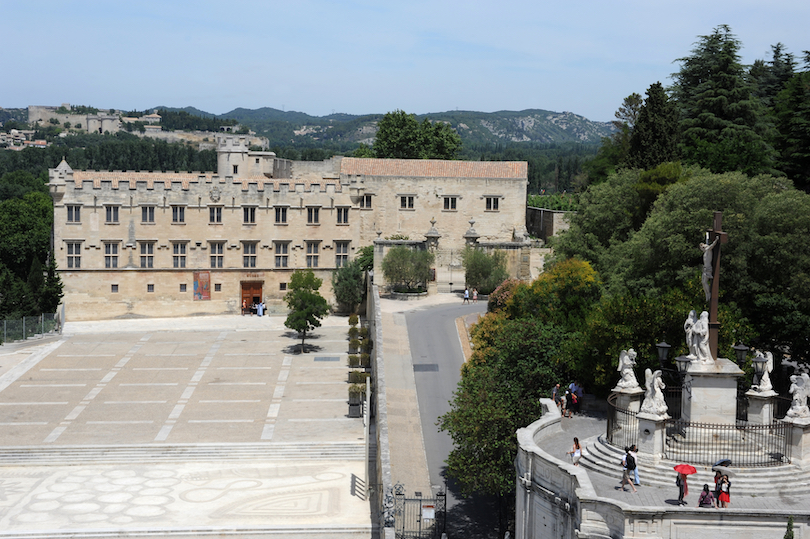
(466, 296)
(683, 488)
(626, 462)
(725, 492)
(576, 452)
(475, 295)
(634, 453)
(565, 400)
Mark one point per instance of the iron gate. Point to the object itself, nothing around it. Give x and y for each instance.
(417, 517)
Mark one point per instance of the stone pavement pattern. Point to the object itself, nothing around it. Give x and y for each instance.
(587, 428)
(192, 424)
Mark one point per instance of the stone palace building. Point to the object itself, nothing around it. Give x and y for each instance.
(176, 243)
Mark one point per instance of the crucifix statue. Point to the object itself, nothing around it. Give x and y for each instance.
(711, 272)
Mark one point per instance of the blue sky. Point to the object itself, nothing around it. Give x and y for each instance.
(359, 56)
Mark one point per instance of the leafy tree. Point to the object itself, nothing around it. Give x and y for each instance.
(483, 271)
(52, 293)
(365, 257)
(307, 306)
(722, 119)
(401, 136)
(792, 111)
(17, 184)
(407, 269)
(655, 135)
(363, 151)
(499, 391)
(348, 284)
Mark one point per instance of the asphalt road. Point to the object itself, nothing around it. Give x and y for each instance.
(437, 359)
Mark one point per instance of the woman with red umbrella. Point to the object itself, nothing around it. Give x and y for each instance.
(683, 488)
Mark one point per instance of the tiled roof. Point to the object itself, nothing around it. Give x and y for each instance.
(426, 168)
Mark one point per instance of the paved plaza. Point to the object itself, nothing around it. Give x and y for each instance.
(193, 426)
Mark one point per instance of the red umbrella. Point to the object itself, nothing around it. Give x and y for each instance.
(685, 469)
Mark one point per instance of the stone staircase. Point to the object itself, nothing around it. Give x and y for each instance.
(147, 453)
(788, 479)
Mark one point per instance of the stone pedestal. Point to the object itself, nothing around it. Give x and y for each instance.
(710, 392)
(800, 444)
(651, 435)
(629, 399)
(760, 406)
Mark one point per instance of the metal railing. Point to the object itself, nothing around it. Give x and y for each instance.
(622, 425)
(744, 445)
(29, 327)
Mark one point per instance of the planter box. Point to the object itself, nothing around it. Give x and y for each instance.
(355, 410)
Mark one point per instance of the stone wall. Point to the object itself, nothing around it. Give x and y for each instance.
(555, 499)
(543, 224)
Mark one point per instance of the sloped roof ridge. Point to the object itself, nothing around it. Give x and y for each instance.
(426, 168)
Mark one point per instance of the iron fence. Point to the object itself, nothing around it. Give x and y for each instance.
(29, 327)
(418, 517)
(622, 425)
(744, 445)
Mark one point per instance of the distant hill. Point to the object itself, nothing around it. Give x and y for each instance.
(531, 125)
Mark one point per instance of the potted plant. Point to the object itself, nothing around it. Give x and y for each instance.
(354, 360)
(354, 346)
(356, 394)
(354, 331)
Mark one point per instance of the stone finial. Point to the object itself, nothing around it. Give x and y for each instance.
(471, 236)
(432, 236)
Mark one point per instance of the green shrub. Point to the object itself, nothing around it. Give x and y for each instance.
(354, 320)
(354, 344)
(363, 333)
(357, 389)
(358, 377)
(354, 332)
(368, 344)
(365, 360)
(354, 360)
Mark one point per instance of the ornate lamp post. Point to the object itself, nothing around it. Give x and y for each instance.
(683, 363)
(742, 353)
(663, 354)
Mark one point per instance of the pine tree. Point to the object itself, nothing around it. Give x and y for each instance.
(722, 121)
(792, 112)
(655, 135)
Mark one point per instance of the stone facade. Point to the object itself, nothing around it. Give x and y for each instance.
(172, 244)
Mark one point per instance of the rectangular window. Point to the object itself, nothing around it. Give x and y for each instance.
(178, 214)
(450, 203)
(282, 286)
(281, 254)
(182, 288)
(111, 213)
(365, 201)
(215, 215)
(74, 251)
(492, 203)
(249, 215)
(313, 215)
(281, 215)
(341, 253)
(312, 254)
(406, 202)
(217, 256)
(147, 214)
(74, 214)
(235, 170)
(110, 255)
(217, 287)
(343, 216)
(150, 288)
(249, 256)
(179, 255)
(114, 288)
(147, 254)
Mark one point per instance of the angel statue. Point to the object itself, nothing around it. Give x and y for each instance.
(800, 389)
(627, 360)
(764, 383)
(654, 402)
